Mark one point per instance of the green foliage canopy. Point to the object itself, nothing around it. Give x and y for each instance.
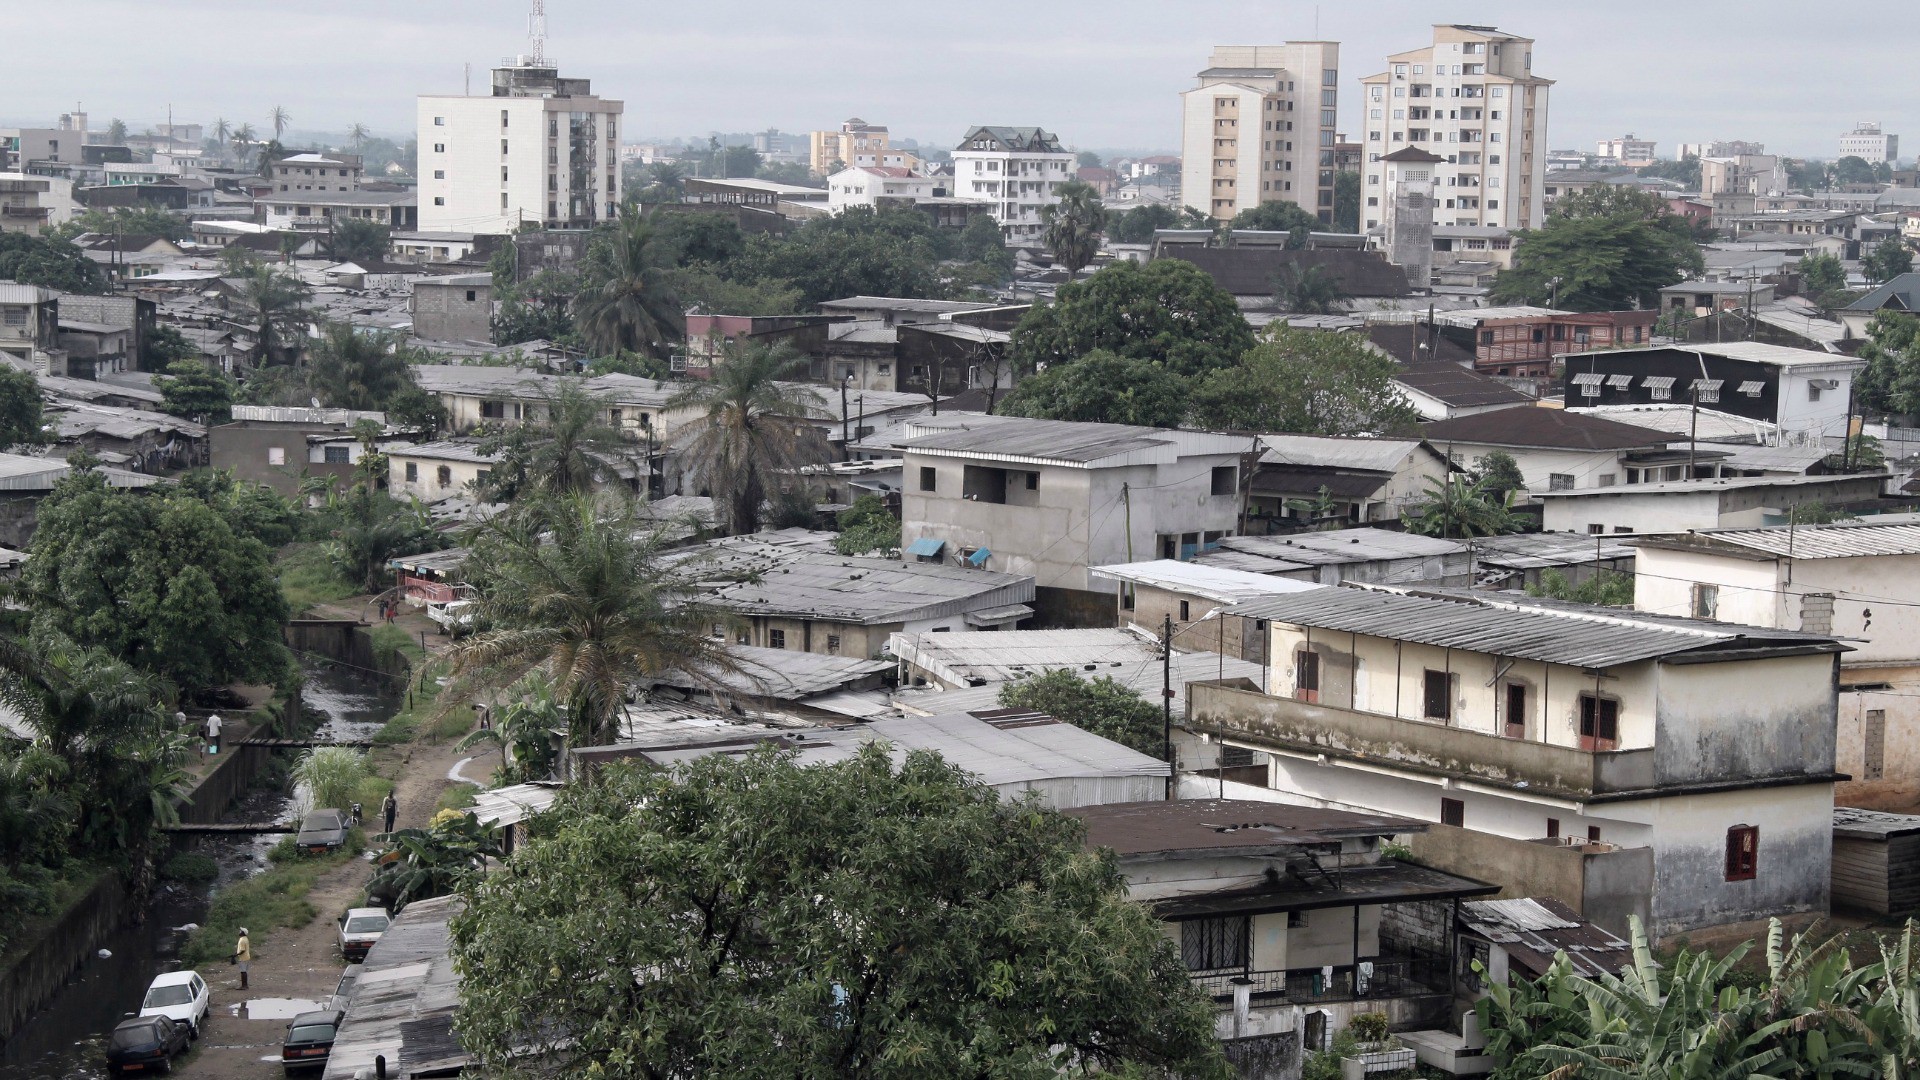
(1168, 311)
(1308, 381)
(1104, 706)
(1610, 248)
(1102, 388)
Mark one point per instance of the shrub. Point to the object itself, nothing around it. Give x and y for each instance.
(190, 868)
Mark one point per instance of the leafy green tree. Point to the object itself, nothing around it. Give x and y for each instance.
(162, 582)
(1101, 388)
(1308, 290)
(274, 301)
(1087, 159)
(49, 262)
(867, 528)
(361, 239)
(1686, 171)
(744, 435)
(1168, 311)
(1499, 472)
(1307, 381)
(579, 591)
(538, 308)
(1888, 261)
(1607, 248)
(165, 345)
(1104, 706)
(252, 509)
(1854, 169)
(355, 369)
(692, 238)
(145, 219)
(1823, 279)
(1891, 382)
(21, 423)
(862, 251)
(570, 447)
(1605, 588)
(365, 529)
(880, 923)
(195, 391)
(1280, 216)
(1074, 225)
(523, 728)
(702, 289)
(1138, 224)
(982, 244)
(1461, 508)
(419, 864)
(626, 303)
(1346, 202)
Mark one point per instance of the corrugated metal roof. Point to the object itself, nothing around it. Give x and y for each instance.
(408, 977)
(1374, 455)
(446, 450)
(1228, 826)
(1858, 824)
(782, 674)
(1529, 551)
(1722, 483)
(1841, 540)
(1063, 441)
(1210, 582)
(514, 803)
(1012, 654)
(285, 414)
(1574, 635)
(1341, 546)
(1142, 675)
(846, 588)
(1537, 929)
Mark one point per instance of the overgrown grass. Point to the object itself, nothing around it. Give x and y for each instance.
(404, 724)
(389, 640)
(274, 899)
(308, 578)
(451, 726)
(457, 797)
(190, 867)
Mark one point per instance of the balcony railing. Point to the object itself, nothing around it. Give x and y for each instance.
(1387, 977)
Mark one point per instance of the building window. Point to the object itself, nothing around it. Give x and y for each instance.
(1215, 944)
(1553, 828)
(1559, 481)
(1743, 852)
(1453, 812)
(1813, 392)
(1516, 718)
(833, 643)
(276, 455)
(444, 474)
(1599, 723)
(1706, 601)
(1296, 920)
(336, 455)
(439, 121)
(439, 148)
(1226, 480)
(776, 639)
(413, 472)
(439, 200)
(1186, 611)
(1437, 698)
(926, 478)
(1874, 745)
(1306, 675)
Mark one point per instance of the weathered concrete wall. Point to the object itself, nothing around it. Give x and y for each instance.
(44, 967)
(1795, 856)
(1055, 608)
(1265, 1057)
(1604, 884)
(1757, 718)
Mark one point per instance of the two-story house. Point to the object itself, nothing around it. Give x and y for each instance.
(1859, 580)
(1556, 449)
(30, 328)
(1309, 480)
(1051, 498)
(1624, 762)
(1805, 394)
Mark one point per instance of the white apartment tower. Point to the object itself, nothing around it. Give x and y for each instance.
(1867, 141)
(1017, 169)
(1260, 127)
(538, 148)
(1472, 98)
(1627, 151)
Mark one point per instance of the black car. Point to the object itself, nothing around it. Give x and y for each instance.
(310, 1040)
(145, 1044)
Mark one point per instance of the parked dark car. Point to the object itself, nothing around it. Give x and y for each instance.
(321, 831)
(310, 1040)
(145, 1044)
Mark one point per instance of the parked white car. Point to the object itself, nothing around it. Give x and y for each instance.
(182, 997)
(359, 928)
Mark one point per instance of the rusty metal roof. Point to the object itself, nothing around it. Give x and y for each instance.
(1535, 929)
(1576, 635)
(1197, 828)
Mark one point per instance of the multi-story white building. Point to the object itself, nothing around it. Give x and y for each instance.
(1627, 151)
(31, 203)
(538, 148)
(1472, 98)
(1867, 141)
(1017, 169)
(875, 185)
(1261, 127)
(314, 171)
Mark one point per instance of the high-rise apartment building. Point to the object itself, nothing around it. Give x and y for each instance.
(1472, 98)
(857, 145)
(1627, 151)
(1866, 140)
(537, 148)
(1262, 126)
(1017, 169)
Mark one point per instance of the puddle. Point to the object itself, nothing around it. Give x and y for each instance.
(275, 1008)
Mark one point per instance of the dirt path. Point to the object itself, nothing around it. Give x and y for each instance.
(305, 964)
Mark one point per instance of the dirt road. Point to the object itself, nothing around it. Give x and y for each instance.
(292, 968)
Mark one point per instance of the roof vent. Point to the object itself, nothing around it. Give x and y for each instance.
(1089, 667)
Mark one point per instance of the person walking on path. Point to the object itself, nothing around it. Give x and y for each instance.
(243, 955)
(388, 808)
(213, 733)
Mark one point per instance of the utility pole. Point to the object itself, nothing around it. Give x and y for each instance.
(1166, 700)
(846, 442)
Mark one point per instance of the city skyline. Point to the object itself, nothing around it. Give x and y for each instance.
(1111, 83)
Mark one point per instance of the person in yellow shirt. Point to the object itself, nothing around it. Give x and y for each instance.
(243, 955)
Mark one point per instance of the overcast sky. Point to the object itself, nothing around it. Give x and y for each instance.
(1107, 75)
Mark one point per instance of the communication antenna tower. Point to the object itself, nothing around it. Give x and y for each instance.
(537, 31)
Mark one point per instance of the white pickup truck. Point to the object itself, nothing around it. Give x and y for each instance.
(454, 617)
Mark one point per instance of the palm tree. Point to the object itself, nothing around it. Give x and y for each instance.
(754, 428)
(1461, 508)
(576, 442)
(1311, 290)
(357, 135)
(1074, 225)
(423, 863)
(269, 154)
(355, 370)
(280, 118)
(584, 595)
(628, 303)
(521, 730)
(273, 299)
(669, 174)
(221, 129)
(243, 134)
(117, 132)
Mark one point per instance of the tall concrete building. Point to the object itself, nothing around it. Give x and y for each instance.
(1472, 98)
(537, 148)
(1017, 169)
(1408, 204)
(857, 145)
(1866, 140)
(1627, 151)
(1262, 126)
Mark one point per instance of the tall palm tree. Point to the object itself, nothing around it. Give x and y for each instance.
(243, 134)
(1074, 225)
(669, 174)
(269, 154)
(1309, 291)
(273, 299)
(355, 370)
(754, 428)
(280, 118)
(221, 129)
(576, 442)
(117, 132)
(628, 303)
(584, 595)
(357, 135)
